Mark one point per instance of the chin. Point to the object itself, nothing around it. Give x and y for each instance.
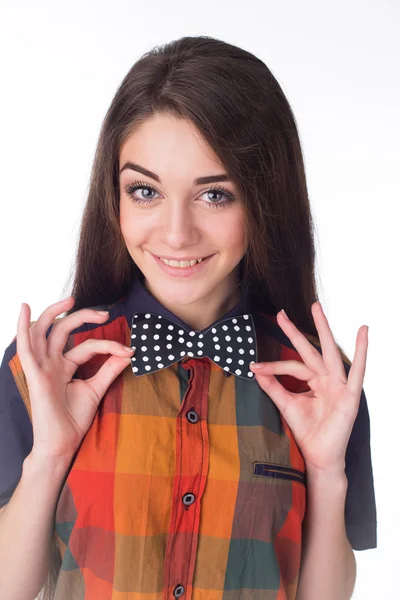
(179, 292)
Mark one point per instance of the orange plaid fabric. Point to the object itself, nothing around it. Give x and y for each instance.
(189, 483)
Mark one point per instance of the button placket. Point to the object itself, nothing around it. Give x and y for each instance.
(191, 451)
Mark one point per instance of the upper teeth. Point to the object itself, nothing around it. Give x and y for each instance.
(181, 263)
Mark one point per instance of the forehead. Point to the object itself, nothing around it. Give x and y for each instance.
(164, 142)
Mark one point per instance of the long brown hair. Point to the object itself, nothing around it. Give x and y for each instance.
(238, 106)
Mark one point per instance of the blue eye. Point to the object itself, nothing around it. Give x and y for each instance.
(132, 187)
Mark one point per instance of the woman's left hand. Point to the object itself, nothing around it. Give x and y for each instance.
(321, 419)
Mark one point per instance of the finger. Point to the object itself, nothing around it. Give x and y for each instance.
(310, 355)
(285, 367)
(106, 374)
(39, 328)
(24, 347)
(62, 329)
(330, 352)
(357, 370)
(82, 353)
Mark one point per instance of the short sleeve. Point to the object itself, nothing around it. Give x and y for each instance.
(16, 434)
(360, 506)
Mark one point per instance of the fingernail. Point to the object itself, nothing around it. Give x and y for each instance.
(256, 365)
(283, 313)
(128, 349)
(102, 312)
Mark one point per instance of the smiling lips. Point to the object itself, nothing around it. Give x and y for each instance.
(182, 271)
(181, 263)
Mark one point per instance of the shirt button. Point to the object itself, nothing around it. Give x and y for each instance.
(188, 499)
(179, 590)
(192, 416)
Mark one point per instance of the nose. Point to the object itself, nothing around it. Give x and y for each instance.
(180, 224)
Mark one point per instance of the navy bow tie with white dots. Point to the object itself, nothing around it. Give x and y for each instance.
(160, 342)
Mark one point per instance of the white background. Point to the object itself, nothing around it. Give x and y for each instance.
(338, 65)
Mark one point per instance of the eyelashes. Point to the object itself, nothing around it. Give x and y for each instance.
(130, 189)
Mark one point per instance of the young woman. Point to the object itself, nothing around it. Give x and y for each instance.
(174, 467)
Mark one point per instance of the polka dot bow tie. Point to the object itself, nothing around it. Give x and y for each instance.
(160, 342)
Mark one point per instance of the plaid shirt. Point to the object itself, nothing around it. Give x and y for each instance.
(188, 483)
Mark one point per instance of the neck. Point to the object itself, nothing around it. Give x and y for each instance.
(199, 315)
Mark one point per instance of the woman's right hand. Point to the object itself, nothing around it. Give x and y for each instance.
(63, 408)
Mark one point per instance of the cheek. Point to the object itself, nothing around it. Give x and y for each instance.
(125, 223)
(134, 227)
(123, 213)
(230, 233)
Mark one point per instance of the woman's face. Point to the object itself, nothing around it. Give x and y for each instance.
(176, 217)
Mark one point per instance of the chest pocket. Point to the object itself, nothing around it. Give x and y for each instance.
(263, 469)
(272, 482)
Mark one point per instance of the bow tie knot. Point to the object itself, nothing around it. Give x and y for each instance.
(160, 342)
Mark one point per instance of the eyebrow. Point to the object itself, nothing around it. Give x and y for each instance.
(198, 181)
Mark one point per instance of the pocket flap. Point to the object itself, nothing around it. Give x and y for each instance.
(262, 469)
